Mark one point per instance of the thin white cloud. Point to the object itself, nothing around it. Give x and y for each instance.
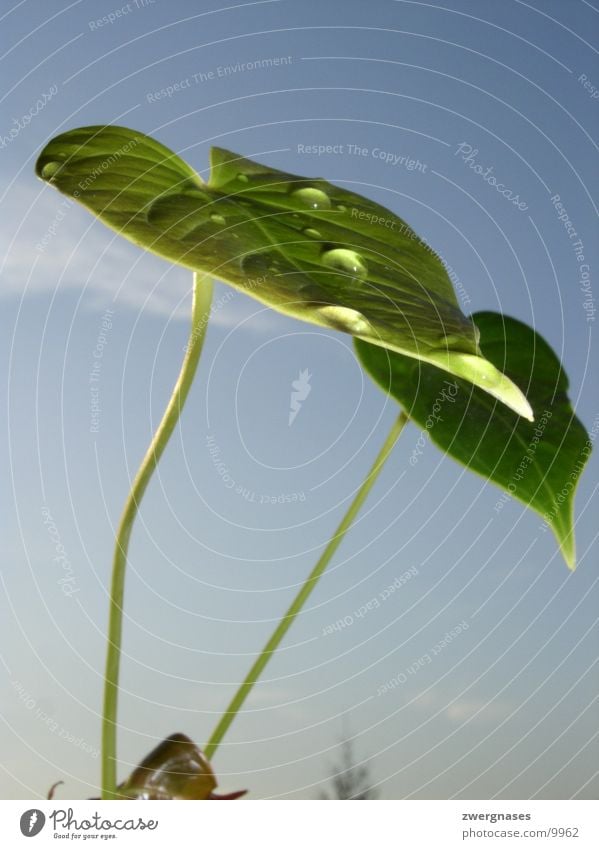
(478, 710)
(462, 710)
(48, 245)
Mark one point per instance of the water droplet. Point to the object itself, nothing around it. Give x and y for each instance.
(243, 178)
(217, 219)
(314, 234)
(255, 265)
(178, 214)
(346, 261)
(312, 198)
(51, 169)
(450, 340)
(159, 209)
(344, 318)
(341, 208)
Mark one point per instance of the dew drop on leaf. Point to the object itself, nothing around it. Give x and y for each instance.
(449, 341)
(217, 219)
(160, 212)
(312, 198)
(178, 212)
(314, 234)
(51, 169)
(254, 265)
(343, 318)
(345, 261)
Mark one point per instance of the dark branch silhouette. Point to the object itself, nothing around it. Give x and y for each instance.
(350, 780)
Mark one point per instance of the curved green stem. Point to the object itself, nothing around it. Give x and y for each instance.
(202, 297)
(302, 596)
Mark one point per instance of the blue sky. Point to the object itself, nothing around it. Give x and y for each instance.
(508, 708)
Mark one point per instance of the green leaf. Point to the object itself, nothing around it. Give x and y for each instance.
(538, 463)
(303, 246)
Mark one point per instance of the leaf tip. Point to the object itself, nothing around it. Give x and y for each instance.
(506, 391)
(568, 549)
(525, 410)
(482, 373)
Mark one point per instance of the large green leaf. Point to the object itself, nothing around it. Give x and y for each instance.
(303, 246)
(538, 463)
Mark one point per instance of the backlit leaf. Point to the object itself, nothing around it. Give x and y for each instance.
(305, 247)
(538, 463)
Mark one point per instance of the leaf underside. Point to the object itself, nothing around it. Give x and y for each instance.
(305, 247)
(538, 463)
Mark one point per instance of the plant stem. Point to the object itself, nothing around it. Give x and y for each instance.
(202, 297)
(302, 596)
